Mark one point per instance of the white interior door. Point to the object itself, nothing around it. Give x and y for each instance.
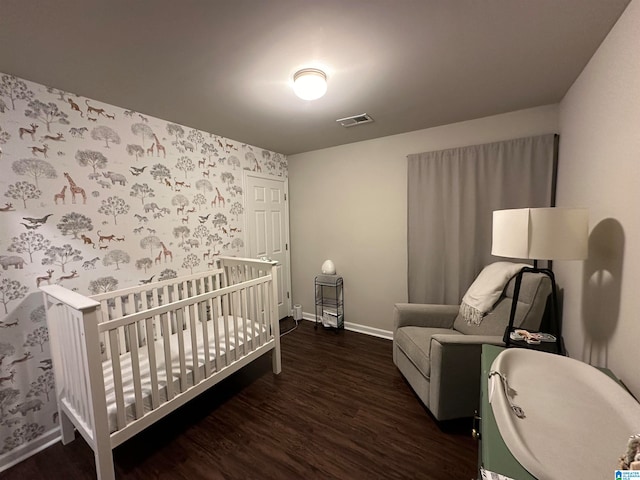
(267, 228)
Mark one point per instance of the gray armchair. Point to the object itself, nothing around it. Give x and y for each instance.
(439, 353)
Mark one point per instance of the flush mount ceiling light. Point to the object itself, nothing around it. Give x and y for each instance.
(309, 83)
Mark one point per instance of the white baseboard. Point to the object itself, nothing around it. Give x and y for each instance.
(25, 451)
(356, 327)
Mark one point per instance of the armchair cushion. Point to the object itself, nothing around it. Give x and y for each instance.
(415, 343)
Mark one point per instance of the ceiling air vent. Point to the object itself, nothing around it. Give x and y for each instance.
(355, 120)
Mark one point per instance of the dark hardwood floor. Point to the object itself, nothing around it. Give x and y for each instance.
(339, 410)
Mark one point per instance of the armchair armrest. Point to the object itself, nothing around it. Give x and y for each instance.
(462, 340)
(455, 374)
(424, 315)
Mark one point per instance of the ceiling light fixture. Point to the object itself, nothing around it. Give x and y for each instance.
(309, 83)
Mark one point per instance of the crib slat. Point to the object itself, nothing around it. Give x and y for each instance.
(267, 311)
(233, 299)
(216, 333)
(191, 309)
(244, 315)
(117, 378)
(79, 382)
(259, 311)
(118, 312)
(179, 314)
(135, 368)
(72, 348)
(254, 315)
(202, 316)
(104, 337)
(225, 324)
(153, 368)
(166, 339)
(157, 325)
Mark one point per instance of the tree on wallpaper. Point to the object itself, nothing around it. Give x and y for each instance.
(105, 133)
(60, 256)
(200, 200)
(236, 209)
(214, 240)
(142, 192)
(4, 136)
(14, 89)
(7, 397)
(38, 337)
(91, 158)
(43, 385)
(204, 185)
(175, 131)
(11, 290)
(196, 137)
(167, 274)
(201, 232)
(116, 257)
(47, 113)
(150, 242)
(114, 206)
(74, 223)
(160, 172)
(180, 201)
(191, 261)
(23, 191)
(185, 164)
(29, 242)
(143, 131)
(219, 220)
(103, 285)
(209, 149)
(233, 162)
(135, 151)
(144, 264)
(181, 232)
(35, 168)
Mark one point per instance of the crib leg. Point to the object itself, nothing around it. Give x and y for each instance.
(66, 428)
(276, 362)
(104, 461)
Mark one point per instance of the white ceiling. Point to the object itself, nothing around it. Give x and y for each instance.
(226, 66)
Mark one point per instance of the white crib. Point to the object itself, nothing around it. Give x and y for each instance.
(125, 359)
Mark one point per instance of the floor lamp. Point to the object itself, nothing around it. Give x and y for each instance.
(540, 234)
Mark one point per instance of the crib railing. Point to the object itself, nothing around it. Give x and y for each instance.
(73, 334)
(135, 330)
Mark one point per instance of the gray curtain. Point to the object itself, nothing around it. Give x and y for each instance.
(451, 196)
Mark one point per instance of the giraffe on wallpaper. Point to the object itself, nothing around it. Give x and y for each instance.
(60, 196)
(159, 147)
(218, 198)
(166, 252)
(75, 189)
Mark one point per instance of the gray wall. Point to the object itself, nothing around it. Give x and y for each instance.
(600, 170)
(348, 204)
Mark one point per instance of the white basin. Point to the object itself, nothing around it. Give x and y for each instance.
(577, 419)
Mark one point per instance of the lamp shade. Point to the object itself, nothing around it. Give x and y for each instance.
(541, 233)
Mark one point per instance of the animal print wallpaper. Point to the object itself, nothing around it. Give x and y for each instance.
(95, 198)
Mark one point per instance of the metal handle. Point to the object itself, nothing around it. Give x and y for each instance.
(475, 432)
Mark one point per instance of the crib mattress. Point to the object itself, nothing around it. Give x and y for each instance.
(227, 352)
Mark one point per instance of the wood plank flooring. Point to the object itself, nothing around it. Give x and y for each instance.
(339, 410)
